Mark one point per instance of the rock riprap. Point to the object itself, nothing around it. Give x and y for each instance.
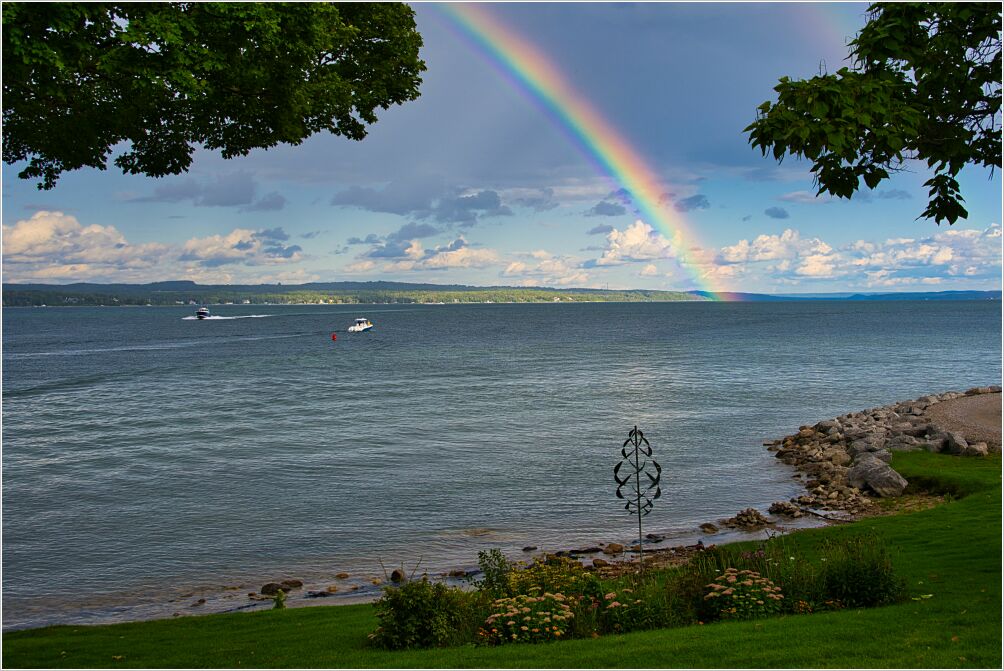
(847, 458)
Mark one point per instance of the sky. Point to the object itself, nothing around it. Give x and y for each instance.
(486, 180)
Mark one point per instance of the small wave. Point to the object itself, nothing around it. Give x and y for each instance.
(219, 317)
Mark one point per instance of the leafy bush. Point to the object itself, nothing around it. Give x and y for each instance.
(858, 573)
(528, 619)
(743, 595)
(643, 606)
(422, 614)
(495, 569)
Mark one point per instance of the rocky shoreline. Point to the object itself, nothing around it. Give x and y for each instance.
(846, 459)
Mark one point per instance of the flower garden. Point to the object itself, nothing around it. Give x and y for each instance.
(554, 598)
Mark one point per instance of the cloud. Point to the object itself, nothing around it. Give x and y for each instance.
(397, 249)
(397, 197)
(56, 246)
(605, 208)
(240, 246)
(776, 213)
(600, 229)
(542, 268)
(649, 271)
(227, 190)
(270, 202)
(697, 202)
(465, 210)
(747, 217)
(273, 234)
(539, 200)
(638, 242)
(310, 235)
(413, 230)
(456, 254)
(803, 197)
(957, 255)
(370, 239)
(425, 199)
(893, 194)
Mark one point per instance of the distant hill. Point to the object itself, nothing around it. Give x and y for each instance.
(184, 291)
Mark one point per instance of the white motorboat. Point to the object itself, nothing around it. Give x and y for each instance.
(202, 312)
(362, 324)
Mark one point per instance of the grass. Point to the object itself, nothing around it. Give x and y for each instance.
(951, 552)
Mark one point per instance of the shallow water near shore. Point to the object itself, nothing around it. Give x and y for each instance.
(150, 459)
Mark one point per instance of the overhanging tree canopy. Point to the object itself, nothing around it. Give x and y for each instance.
(79, 78)
(926, 84)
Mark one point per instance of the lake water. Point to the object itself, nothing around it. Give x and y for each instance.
(150, 459)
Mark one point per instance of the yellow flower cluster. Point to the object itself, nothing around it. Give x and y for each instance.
(527, 619)
(743, 595)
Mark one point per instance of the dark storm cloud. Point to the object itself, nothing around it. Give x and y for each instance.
(600, 229)
(698, 202)
(776, 213)
(605, 208)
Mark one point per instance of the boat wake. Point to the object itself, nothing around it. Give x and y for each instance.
(218, 318)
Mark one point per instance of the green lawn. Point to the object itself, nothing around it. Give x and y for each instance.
(952, 552)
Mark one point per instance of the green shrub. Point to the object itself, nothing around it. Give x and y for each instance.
(422, 614)
(743, 595)
(641, 606)
(857, 573)
(495, 569)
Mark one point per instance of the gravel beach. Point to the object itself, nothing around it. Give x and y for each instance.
(977, 418)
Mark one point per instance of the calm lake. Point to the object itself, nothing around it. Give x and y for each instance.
(151, 459)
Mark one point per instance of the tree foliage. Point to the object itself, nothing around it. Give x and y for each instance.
(925, 84)
(79, 78)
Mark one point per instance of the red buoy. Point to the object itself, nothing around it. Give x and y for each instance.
(334, 337)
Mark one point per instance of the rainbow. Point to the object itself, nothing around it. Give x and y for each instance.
(532, 72)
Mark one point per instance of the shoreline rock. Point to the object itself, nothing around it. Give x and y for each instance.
(847, 458)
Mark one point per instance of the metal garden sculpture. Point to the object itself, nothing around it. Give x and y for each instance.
(638, 494)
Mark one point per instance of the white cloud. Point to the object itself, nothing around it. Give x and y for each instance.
(804, 197)
(649, 271)
(963, 254)
(241, 245)
(638, 242)
(543, 268)
(55, 246)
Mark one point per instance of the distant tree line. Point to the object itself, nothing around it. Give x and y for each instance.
(134, 295)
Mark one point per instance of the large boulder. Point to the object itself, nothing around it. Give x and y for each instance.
(871, 472)
(956, 443)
